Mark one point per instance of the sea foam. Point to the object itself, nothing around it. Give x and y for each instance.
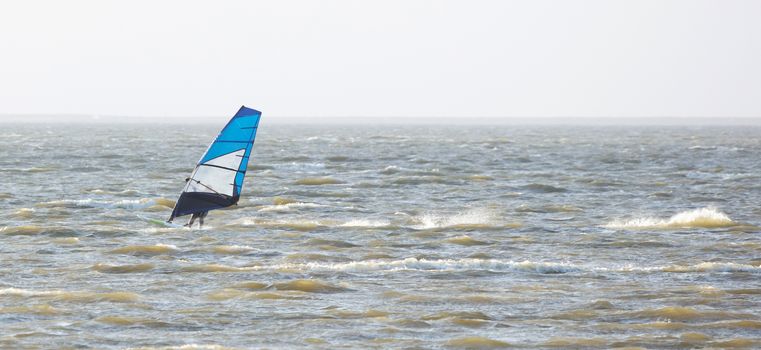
(365, 223)
(289, 206)
(414, 264)
(698, 218)
(121, 204)
(472, 264)
(473, 218)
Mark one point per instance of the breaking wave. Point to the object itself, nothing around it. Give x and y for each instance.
(712, 267)
(72, 296)
(409, 264)
(289, 206)
(473, 218)
(298, 224)
(142, 203)
(698, 218)
(473, 264)
(366, 223)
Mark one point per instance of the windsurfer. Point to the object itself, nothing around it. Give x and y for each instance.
(217, 179)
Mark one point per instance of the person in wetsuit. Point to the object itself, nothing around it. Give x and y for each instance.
(198, 216)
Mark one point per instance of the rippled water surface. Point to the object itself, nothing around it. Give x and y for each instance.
(426, 237)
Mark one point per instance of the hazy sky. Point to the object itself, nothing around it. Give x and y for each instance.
(382, 58)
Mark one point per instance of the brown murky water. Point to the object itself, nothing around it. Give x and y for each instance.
(385, 237)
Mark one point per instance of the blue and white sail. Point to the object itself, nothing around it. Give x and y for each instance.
(217, 180)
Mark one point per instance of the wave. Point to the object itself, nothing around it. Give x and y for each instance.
(447, 265)
(142, 203)
(477, 343)
(473, 218)
(289, 206)
(206, 268)
(31, 170)
(320, 242)
(316, 181)
(282, 200)
(298, 224)
(118, 193)
(575, 343)
(158, 249)
(470, 315)
(366, 223)
(413, 264)
(479, 177)
(712, 267)
(231, 249)
(250, 285)
(466, 241)
(72, 296)
(682, 313)
(30, 230)
(329, 194)
(391, 169)
(106, 268)
(24, 213)
(421, 180)
(131, 321)
(21, 230)
(43, 309)
(309, 286)
(703, 148)
(542, 188)
(698, 218)
(548, 209)
(314, 257)
(324, 264)
(186, 347)
(302, 224)
(340, 159)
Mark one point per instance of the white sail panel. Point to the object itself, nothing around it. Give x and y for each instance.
(216, 175)
(230, 160)
(211, 180)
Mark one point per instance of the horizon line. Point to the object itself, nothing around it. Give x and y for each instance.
(398, 119)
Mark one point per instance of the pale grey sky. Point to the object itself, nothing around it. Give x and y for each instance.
(382, 58)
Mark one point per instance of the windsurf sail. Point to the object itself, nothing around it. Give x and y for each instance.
(217, 180)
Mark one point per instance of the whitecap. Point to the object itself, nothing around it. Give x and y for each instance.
(289, 207)
(92, 203)
(416, 264)
(473, 264)
(698, 218)
(471, 217)
(365, 223)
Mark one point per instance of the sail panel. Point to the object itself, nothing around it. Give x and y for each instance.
(230, 160)
(238, 133)
(195, 202)
(212, 180)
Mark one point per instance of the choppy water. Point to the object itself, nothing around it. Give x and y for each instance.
(385, 237)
